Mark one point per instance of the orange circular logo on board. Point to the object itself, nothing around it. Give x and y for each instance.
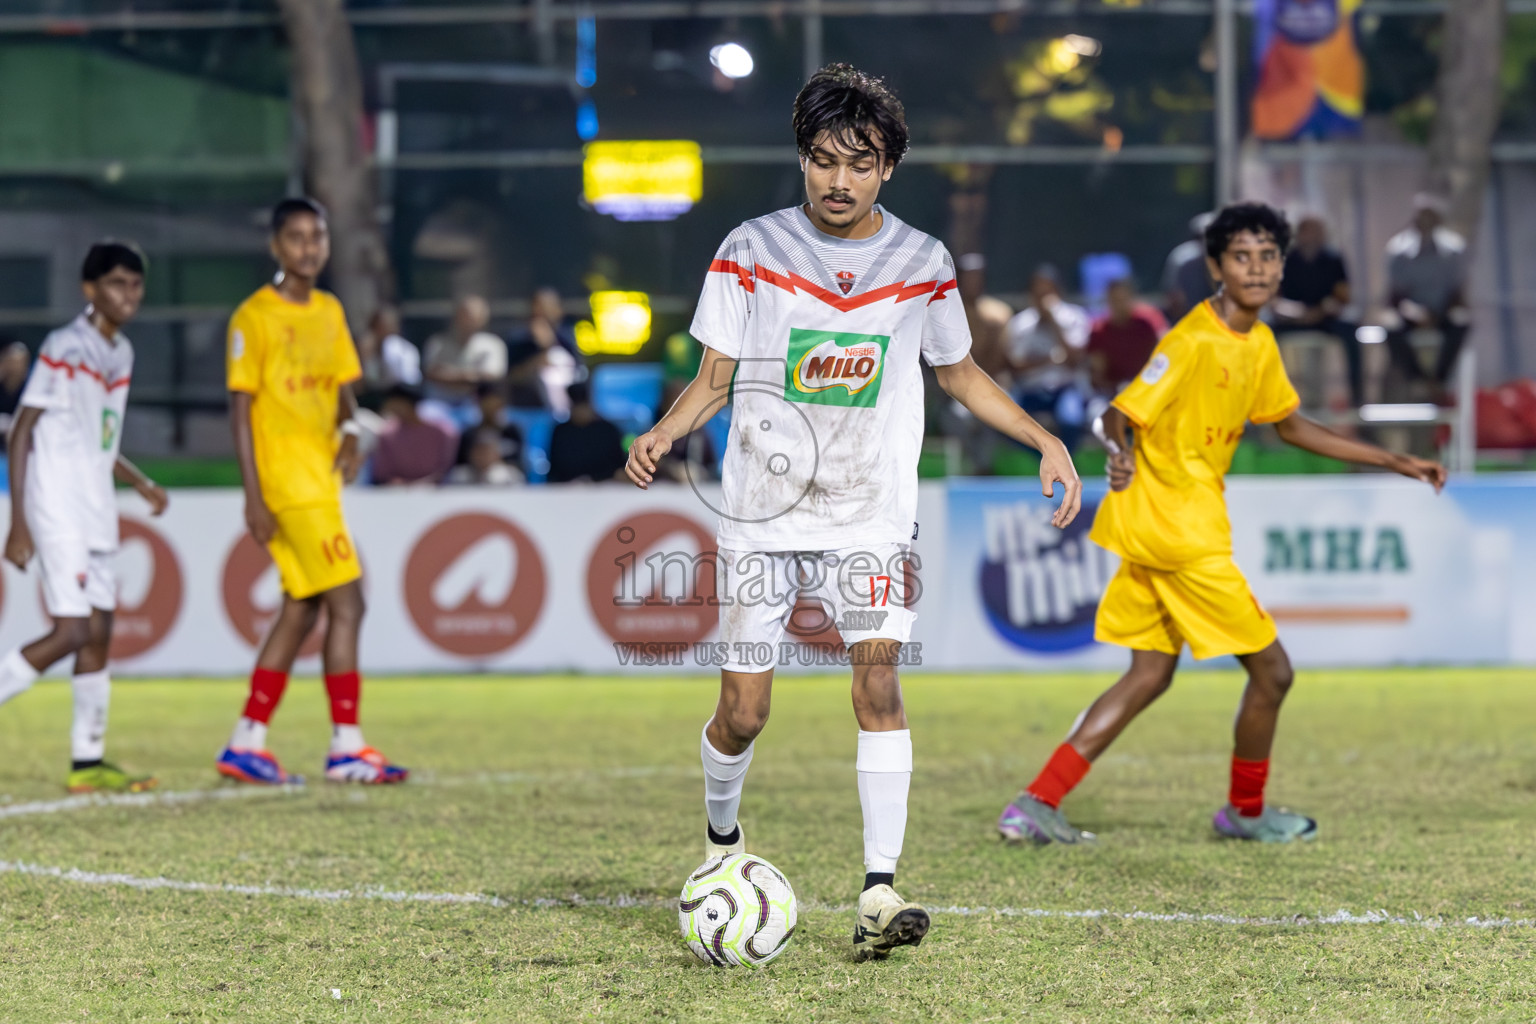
(474, 584)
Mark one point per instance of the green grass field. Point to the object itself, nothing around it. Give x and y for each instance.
(575, 802)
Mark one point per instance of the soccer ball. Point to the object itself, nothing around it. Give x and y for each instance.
(737, 911)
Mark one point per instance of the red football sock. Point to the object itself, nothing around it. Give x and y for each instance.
(267, 688)
(1060, 776)
(1247, 793)
(344, 688)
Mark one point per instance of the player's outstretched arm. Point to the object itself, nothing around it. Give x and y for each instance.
(704, 396)
(1296, 429)
(970, 385)
(258, 518)
(18, 546)
(125, 472)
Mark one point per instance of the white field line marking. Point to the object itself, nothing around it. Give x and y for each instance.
(287, 892)
(151, 799)
(1337, 918)
(160, 798)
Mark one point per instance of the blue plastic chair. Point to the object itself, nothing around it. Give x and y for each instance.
(538, 427)
(627, 394)
(1098, 270)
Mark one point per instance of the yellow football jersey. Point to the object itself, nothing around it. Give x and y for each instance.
(1203, 383)
(292, 360)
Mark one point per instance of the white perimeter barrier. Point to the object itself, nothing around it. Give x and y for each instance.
(1357, 570)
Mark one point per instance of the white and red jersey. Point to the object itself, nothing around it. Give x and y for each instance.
(80, 382)
(827, 402)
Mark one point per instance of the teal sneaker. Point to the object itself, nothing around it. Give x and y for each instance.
(1028, 820)
(1275, 825)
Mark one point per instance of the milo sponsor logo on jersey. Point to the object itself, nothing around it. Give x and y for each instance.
(831, 368)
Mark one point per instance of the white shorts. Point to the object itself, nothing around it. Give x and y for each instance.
(862, 592)
(75, 579)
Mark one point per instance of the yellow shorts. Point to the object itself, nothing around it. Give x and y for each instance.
(1206, 604)
(313, 550)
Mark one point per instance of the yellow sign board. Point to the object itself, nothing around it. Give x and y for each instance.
(620, 324)
(643, 180)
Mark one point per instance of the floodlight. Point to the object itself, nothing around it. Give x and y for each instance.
(733, 60)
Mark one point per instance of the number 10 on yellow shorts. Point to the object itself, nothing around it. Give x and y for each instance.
(313, 550)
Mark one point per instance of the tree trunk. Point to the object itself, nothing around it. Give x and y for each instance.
(328, 96)
(1467, 104)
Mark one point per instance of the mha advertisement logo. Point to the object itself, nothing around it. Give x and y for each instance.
(1041, 586)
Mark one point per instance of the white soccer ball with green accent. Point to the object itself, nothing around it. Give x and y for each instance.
(738, 911)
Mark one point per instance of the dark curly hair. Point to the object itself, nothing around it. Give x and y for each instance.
(109, 254)
(853, 107)
(292, 207)
(1233, 220)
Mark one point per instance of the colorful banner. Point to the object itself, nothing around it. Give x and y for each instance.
(1311, 77)
(1365, 570)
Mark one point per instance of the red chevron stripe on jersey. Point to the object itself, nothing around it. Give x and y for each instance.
(792, 282)
(72, 368)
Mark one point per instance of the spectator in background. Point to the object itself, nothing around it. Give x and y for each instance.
(1186, 281)
(543, 356)
(988, 318)
(464, 357)
(1314, 293)
(1426, 275)
(1046, 344)
(387, 357)
(15, 363)
(586, 446)
(1122, 339)
(987, 315)
(493, 419)
(411, 449)
(487, 465)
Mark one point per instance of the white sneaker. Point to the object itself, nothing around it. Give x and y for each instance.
(713, 849)
(886, 921)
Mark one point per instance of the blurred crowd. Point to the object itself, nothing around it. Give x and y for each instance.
(471, 407)
(1063, 361)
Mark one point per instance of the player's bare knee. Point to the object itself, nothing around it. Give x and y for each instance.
(877, 693)
(73, 634)
(741, 722)
(743, 708)
(1275, 680)
(99, 628)
(346, 605)
(1150, 682)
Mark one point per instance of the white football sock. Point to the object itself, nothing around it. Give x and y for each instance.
(346, 739)
(88, 733)
(249, 734)
(16, 675)
(885, 774)
(724, 776)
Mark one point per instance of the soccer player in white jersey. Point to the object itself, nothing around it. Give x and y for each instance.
(814, 320)
(64, 459)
